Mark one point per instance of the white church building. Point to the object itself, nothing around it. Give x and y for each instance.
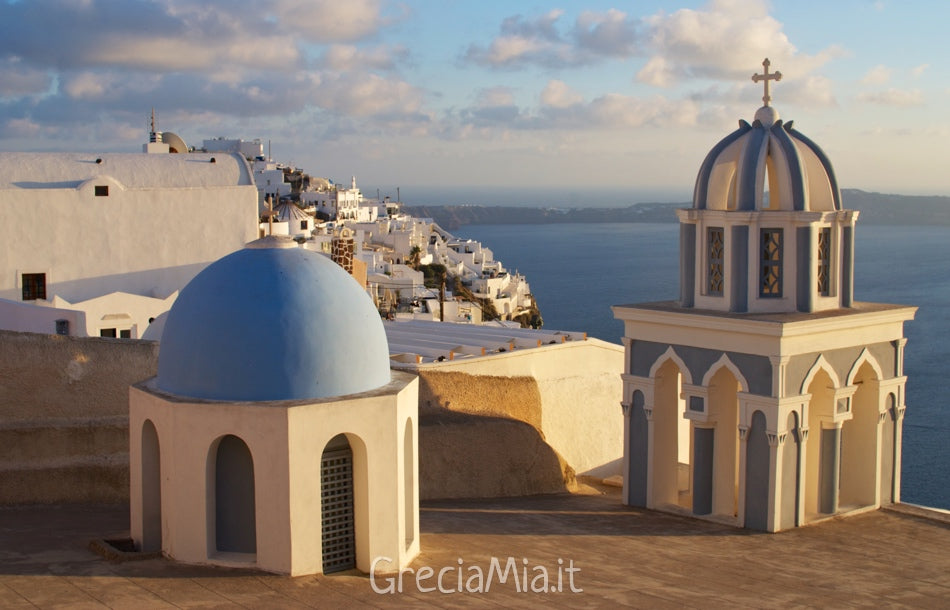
(99, 244)
(766, 396)
(275, 435)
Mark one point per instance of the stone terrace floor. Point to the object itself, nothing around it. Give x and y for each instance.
(626, 557)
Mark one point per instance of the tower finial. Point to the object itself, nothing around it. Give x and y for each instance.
(776, 76)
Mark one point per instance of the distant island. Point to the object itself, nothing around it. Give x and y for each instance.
(875, 208)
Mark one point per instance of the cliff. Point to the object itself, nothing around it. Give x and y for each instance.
(875, 208)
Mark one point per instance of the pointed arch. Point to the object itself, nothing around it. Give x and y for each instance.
(865, 357)
(724, 361)
(670, 354)
(821, 364)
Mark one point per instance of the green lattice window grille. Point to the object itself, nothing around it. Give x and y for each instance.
(824, 261)
(770, 284)
(715, 250)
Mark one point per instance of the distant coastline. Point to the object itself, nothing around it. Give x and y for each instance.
(875, 208)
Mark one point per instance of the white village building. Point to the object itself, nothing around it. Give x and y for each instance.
(99, 244)
(249, 149)
(340, 203)
(270, 179)
(766, 396)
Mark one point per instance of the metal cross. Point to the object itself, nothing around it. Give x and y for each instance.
(776, 76)
(270, 213)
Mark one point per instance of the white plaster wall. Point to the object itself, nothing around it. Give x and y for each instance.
(286, 441)
(119, 310)
(580, 389)
(147, 241)
(30, 318)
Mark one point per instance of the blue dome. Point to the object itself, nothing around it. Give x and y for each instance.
(272, 322)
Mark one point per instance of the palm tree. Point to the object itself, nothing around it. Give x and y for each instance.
(415, 257)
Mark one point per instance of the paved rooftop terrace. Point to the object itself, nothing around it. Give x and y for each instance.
(622, 556)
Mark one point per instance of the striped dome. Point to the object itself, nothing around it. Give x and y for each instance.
(767, 165)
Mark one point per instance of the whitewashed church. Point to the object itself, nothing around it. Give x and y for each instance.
(766, 397)
(275, 435)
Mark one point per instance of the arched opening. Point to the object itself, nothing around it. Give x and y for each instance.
(888, 442)
(821, 454)
(336, 506)
(672, 440)
(232, 506)
(859, 443)
(791, 476)
(731, 198)
(757, 474)
(772, 197)
(724, 409)
(151, 489)
(409, 484)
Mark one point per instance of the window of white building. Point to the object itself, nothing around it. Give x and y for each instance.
(34, 286)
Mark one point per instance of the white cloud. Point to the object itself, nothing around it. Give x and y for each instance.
(539, 41)
(878, 75)
(522, 42)
(328, 20)
(17, 80)
(20, 128)
(609, 34)
(231, 59)
(558, 94)
(372, 95)
(86, 85)
(715, 42)
(657, 72)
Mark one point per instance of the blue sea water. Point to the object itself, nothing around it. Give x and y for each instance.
(577, 271)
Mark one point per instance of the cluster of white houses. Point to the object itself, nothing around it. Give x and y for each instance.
(123, 233)
(765, 397)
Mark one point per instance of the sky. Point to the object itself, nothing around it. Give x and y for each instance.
(581, 103)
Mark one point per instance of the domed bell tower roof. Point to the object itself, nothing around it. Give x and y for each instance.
(766, 232)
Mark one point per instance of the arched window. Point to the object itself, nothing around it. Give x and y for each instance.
(336, 504)
(235, 520)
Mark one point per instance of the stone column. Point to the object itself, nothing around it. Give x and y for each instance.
(743, 457)
(776, 449)
(802, 462)
(898, 442)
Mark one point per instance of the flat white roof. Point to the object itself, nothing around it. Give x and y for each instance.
(418, 341)
(132, 170)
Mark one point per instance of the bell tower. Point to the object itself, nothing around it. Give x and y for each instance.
(766, 396)
(766, 232)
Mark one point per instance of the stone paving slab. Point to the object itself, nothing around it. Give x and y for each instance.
(624, 557)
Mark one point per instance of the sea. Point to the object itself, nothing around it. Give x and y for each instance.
(578, 271)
